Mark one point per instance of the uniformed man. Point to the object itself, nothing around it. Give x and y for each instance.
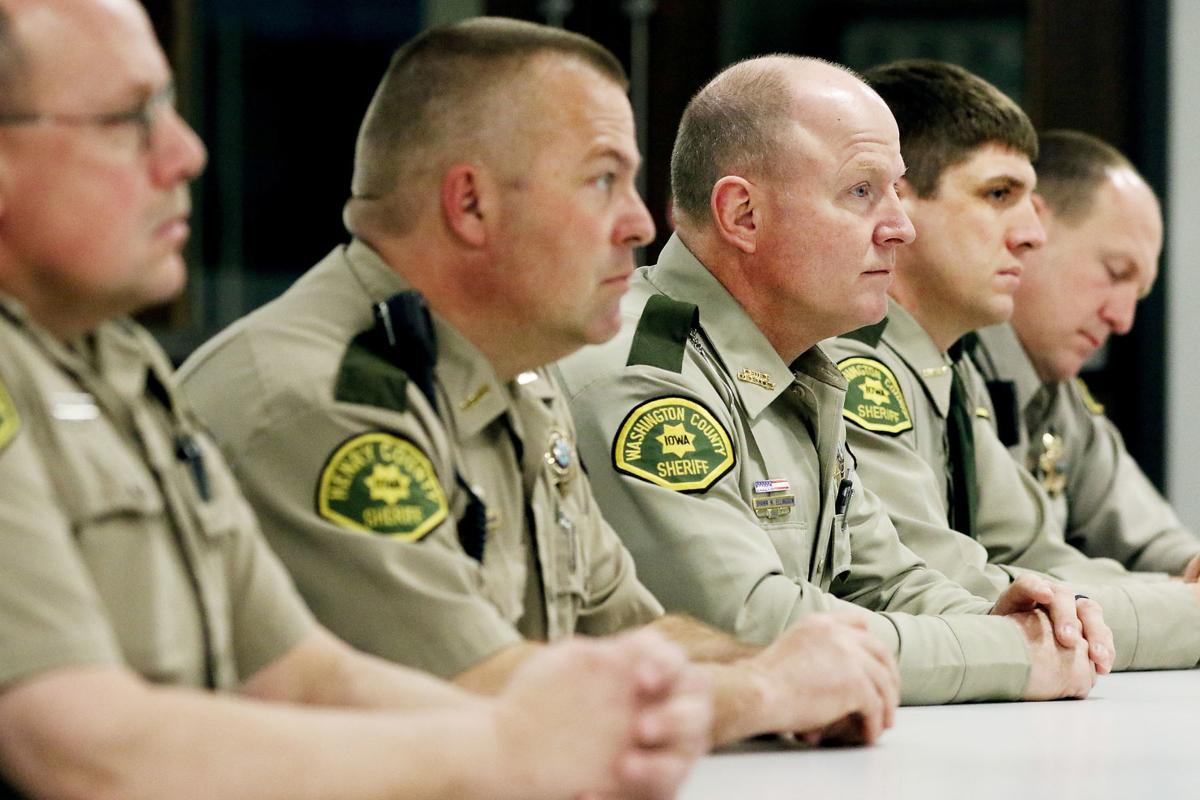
(135, 577)
(711, 424)
(1103, 239)
(918, 417)
(410, 457)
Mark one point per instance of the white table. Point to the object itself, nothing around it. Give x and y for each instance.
(1137, 736)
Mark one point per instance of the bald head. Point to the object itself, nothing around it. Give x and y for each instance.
(460, 92)
(745, 118)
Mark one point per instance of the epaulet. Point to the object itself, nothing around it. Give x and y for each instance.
(400, 346)
(662, 333)
(869, 335)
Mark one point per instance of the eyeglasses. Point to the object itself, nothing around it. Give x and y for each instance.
(145, 117)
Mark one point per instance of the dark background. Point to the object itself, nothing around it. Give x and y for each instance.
(277, 87)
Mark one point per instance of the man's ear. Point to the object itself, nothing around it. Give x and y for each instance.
(464, 199)
(734, 213)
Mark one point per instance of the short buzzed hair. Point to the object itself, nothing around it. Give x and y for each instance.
(434, 97)
(945, 113)
(1071, 166)
(733, 125)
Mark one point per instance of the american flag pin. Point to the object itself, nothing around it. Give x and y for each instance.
(772, 485)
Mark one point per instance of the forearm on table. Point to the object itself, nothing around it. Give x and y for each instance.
(102, 732)
(324, 671)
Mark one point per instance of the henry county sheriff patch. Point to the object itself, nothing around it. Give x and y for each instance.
(379, 483)
(10, 421)
(674, 443)
(873, 397)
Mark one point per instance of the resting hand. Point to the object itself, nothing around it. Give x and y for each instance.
(1073, 617)
(1057, 672)
(828, 670)
(626, 716)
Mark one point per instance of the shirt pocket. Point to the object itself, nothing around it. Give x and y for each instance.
(133, 555)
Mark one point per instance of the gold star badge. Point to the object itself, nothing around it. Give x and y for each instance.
(676, 441)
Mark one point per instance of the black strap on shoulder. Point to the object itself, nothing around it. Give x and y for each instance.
(662, 333)
(869, 335)
(472, 525)
(401, 346)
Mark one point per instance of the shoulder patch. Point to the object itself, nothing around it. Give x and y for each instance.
(675, 443)
(10, 420)
(1089, 402)
(380, 483)
(874, 400)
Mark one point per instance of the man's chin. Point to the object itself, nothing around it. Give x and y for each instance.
(169, 281)
(1000, 309)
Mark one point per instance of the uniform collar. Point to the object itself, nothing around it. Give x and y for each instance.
(913, 344)
(474, 394)
(377, 279)
(114, 352)
(738, 342)
(1004, 358)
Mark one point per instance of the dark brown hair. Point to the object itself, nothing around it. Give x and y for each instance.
(945, 113)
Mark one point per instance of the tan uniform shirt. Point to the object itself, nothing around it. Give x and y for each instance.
(905, 458)
(721, 467)
(376, 494)
(125, 540)
(1101, 498)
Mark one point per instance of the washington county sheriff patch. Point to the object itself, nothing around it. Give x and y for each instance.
(379, 483)
(873, 398)
(10, 421)
(674, 443)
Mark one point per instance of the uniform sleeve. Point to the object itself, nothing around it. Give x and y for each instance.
(1114, 509)
(704, 553)
(909, 490)
(51, 615)
(418, 600)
